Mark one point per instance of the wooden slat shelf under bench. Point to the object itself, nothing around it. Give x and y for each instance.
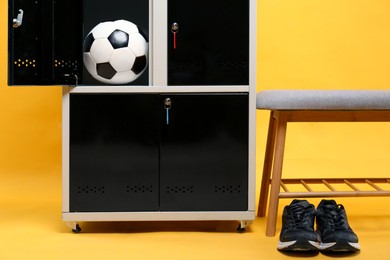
(371, 187)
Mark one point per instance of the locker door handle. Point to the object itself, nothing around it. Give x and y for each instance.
(16, 22)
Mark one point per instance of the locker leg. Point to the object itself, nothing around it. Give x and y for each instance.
(74, 226)
(243, 224)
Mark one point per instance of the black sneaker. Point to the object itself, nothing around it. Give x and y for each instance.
(297, 232)
(333, 228)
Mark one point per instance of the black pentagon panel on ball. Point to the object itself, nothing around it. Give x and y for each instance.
(143, 34)
(88, 42)
(139, 64)
(118, 39)
(105, 70)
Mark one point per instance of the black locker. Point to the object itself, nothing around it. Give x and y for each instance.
(114, 152)
(212, 42)
(129, 152)
(204, 152)
(153, 149)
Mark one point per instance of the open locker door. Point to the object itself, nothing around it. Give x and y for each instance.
(44, 42)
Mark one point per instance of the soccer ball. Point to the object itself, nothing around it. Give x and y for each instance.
(115, 52)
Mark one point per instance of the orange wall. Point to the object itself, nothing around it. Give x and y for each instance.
(328, 44)
(306, 44)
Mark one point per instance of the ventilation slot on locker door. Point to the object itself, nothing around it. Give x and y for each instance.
(180, 189)
(90, 190)
(25, 63)
(227, 189)
(70, 64)
(139, 189)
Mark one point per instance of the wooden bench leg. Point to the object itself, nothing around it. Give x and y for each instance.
(280, 139)
(267, 168)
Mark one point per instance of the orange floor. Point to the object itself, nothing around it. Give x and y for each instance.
(31, 228)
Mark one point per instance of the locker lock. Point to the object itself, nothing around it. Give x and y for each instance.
(167, 103)
(174, 27)
(16, 22)
(174, 30)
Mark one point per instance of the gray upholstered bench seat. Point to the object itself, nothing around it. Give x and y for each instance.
(323, 100)
(314, 106)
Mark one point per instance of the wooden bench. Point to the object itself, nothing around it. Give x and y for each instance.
(314, 106)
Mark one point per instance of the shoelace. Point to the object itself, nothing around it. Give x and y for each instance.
(335, 216)
(300, 216)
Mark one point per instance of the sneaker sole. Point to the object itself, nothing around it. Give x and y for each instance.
(340, 246)
(298, 245)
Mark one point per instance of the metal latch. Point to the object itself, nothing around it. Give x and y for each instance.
(16, 22)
